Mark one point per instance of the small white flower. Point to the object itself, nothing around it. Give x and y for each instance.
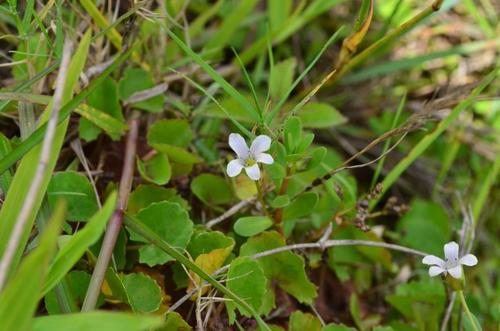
(452, 264)
(248, 157)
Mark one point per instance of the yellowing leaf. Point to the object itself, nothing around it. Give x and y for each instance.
(209, 262)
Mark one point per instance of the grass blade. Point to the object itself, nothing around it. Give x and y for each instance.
(10, 159)
(425, 142)
(228, 88)
(26, 171)
(18, 301)
(73, 250)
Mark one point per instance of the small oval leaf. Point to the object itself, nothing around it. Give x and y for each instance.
(252, 225)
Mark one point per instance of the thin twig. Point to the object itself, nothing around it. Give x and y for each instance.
(146, 94)
(30, 199)
(116, 221)
(76, 145)
(230, 212)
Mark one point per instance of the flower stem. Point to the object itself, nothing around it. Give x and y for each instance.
(260, 198)
(467, 311)
(278, 214)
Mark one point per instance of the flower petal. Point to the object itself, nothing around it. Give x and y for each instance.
(264, 158)
(253, 172)
(434, 271)
(234, 168)
(456, 272)
(451, 251)
(238, 145)
(261, 144)
(433, 260)
(468, 260)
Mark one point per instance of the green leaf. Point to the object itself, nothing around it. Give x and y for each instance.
(204, 242)
(174, 322)
(156, 170)
(78, 193)
(425, 227)
(25, 173)
(232, 21)
(19, 299)
(177, 155)
(317, 157)
(172, 132)
(97, 321)
(6, 177)
(281, 78)
(244, 187)
(301, 206)
(209, 250)
(143, 292)
(137, 226)
(355, 310)
(136, 80)
(468, 324)
(280, 201)
(103, 111)
(278, 12)
(225, 85)
(246, 279)
(251, 225)
(300, 321)
(376, 254)
(292, 134)
(337, 327)
(172, 137)
(93, 120)
(37, 136)
(76, 246)
(105, 99)
(171, 223)
(212, 189)
(145, 194)
(421, 301)
(317, 115)
(286, 269)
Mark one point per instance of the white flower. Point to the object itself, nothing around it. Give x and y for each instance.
(248, 157)
(452, 264)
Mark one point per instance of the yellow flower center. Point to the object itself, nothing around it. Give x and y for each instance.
(250, 162)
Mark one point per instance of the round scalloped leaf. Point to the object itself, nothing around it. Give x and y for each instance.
(146, 194)
(169, 221)
(174, 132)
(156, 170)
(246, 279)
(212, 189)
(143, 293)
(286, 269)
(78, 193)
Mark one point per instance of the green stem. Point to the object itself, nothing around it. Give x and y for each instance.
(380, 164)
(467, 311)
(260, 198)
(485, 188)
